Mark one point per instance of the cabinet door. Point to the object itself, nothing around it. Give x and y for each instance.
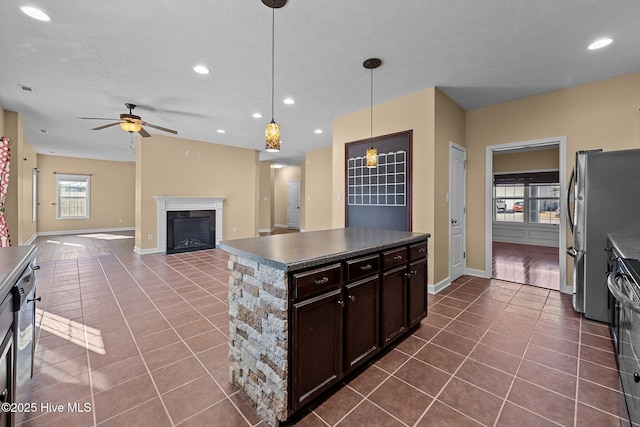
(361, 321)
(393, 304)
(417, 274)
(317, 345)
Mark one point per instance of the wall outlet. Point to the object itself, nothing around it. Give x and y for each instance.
(186, 153)
(150, 237)
(235, 229)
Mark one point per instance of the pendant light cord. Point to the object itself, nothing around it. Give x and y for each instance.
(273, 32)
(371, 111)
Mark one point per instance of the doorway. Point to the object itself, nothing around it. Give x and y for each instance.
(512, 206)
(457, 210)
(293, 204)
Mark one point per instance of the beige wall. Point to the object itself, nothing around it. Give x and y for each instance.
(535, 160)
(282, 177)
(317, 187)
(18, 203)
(265, 213)
(603, 114)
(112, 193)
(412, 112)
(210, 170)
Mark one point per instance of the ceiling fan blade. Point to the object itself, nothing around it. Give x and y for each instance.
(106, 126)
(94, 118)
(144, 133)
(160, 128)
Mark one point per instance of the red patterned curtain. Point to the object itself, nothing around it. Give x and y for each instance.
(5, 157)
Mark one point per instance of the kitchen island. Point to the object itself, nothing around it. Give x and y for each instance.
(307, 309)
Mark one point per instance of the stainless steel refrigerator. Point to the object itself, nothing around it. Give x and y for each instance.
(603, 197)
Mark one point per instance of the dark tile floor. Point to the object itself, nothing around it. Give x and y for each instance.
(143, 341)
(526, 264)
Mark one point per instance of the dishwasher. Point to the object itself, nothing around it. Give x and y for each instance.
(24, 307)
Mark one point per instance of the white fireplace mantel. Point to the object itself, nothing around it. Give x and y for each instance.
(174, 203)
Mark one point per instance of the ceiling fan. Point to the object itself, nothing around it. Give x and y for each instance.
(130, 123)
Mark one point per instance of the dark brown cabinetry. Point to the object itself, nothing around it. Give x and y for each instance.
(361, 320)
(317, 335)
(342, 314)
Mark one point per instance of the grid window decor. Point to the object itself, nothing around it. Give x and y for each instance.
(384, 185)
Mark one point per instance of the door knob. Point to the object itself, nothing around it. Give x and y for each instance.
(454, 221)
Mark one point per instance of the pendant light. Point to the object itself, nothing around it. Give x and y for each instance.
(372, 153)
(272, 133)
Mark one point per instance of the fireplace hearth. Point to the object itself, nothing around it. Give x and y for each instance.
(190, 230)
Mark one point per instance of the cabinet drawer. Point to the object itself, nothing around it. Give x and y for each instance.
(316, 281)
(362, 267)
(417, 251)
(394, 257)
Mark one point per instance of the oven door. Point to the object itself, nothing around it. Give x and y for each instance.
(628, 300)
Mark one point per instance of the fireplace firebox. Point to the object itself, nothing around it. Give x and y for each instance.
(191, 230)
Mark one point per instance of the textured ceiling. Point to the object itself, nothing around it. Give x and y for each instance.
(95, 56)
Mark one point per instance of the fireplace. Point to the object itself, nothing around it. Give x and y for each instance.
(168, 205)
(190, 230)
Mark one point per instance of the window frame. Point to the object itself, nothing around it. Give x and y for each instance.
(525, 180)
(78, 178)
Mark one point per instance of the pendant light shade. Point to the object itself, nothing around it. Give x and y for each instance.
(272, 132)
(372, 153)
(272, 137)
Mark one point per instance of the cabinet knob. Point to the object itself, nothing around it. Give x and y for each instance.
(341, 303)
(352, 297)
(636, 377)
(4, 395)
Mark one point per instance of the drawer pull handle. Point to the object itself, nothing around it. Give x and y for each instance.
(365, 267)
(421, 250)
(397, 257)
(410, 273)
(321, 281)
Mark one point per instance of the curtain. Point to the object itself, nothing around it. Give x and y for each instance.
(5, 156)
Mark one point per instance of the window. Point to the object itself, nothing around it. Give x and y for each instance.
(72, 196)
(527, 197)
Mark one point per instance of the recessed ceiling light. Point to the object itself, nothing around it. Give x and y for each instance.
(221, 131)
(600, 43)
(277, 166)
(289, 101)
(201, 69)
(256, 115)
(35, 13)
(318, 131)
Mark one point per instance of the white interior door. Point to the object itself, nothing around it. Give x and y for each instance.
(457, 210)
(293, 204)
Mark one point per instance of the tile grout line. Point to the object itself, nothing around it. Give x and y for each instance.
(86, 346)
(575, 407)
(227, 396)
(155, 386)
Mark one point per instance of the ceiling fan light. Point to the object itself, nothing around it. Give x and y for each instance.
(372, 158)
(272, 137)
(130, 127)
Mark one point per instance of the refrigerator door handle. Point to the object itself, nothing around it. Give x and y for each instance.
(572, 252)
(571, 179)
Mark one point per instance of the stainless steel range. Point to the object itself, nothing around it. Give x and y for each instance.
(623, 282)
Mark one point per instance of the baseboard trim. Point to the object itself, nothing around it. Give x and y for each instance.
(138, 251)
(266, 230)
(31, 239)
(475, 272)
(443, 284)
(87, 231)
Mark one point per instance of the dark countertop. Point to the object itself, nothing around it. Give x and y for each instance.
(13, 261)
(627, 245)
(295, 251)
